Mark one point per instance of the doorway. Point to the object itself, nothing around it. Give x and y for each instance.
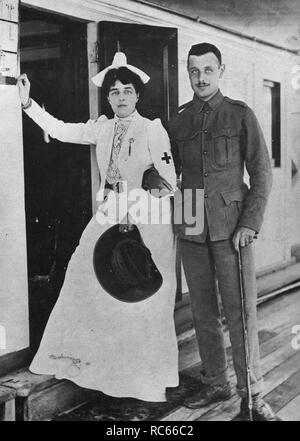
(58, 176)
(152, 49)
(53, 53)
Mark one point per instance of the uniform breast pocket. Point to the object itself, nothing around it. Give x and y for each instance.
(223, 144)
(185, 144)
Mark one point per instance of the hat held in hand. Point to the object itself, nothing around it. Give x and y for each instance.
(124, 267)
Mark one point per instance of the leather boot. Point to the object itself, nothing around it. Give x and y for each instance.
(261, 411)
(209, 394)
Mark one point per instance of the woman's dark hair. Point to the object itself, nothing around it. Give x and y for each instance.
(125, 76)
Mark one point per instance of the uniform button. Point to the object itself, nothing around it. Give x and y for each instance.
(205, 152)
(206, 196)
(205, 175)
(205, 131)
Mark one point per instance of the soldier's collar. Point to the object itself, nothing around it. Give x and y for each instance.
(213, 103)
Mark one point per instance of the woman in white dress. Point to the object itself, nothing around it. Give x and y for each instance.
(98, 342)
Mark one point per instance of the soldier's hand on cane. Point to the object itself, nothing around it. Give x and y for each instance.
(243, 236)
(24, 89)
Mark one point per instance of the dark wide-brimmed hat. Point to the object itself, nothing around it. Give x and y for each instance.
(124, 266)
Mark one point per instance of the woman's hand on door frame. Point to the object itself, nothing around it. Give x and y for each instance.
(24, 89)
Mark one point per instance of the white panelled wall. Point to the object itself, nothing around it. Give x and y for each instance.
(14, 333)
(248, 64)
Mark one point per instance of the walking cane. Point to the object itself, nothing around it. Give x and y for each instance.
(245, 334)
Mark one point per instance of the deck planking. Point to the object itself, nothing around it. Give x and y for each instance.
(280, 365)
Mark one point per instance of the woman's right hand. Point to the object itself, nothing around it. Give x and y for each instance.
(24, 88)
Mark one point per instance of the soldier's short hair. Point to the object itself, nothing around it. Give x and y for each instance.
(204, 48)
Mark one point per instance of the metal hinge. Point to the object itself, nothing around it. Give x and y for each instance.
(94, 54)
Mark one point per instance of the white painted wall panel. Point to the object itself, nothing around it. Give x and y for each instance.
(248, 64)
(13, 257)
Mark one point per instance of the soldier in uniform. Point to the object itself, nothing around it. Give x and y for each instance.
(213, 137)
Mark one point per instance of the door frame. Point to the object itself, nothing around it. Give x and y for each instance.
(95, 63)
(94, 102)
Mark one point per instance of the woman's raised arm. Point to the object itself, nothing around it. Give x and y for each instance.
(78, 133)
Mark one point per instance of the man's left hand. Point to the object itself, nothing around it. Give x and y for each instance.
(156, 184)
(243, 237)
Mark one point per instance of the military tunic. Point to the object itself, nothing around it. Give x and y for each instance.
(212, 142)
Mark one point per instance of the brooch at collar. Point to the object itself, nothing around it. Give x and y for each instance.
(131, 141)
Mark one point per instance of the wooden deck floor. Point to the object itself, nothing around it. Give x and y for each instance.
(280, 365)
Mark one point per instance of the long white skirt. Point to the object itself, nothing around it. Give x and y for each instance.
(98, 342)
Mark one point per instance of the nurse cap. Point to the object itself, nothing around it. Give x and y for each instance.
(119, 60)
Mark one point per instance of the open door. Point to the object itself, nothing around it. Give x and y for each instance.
(57, 175)
(152, 49)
